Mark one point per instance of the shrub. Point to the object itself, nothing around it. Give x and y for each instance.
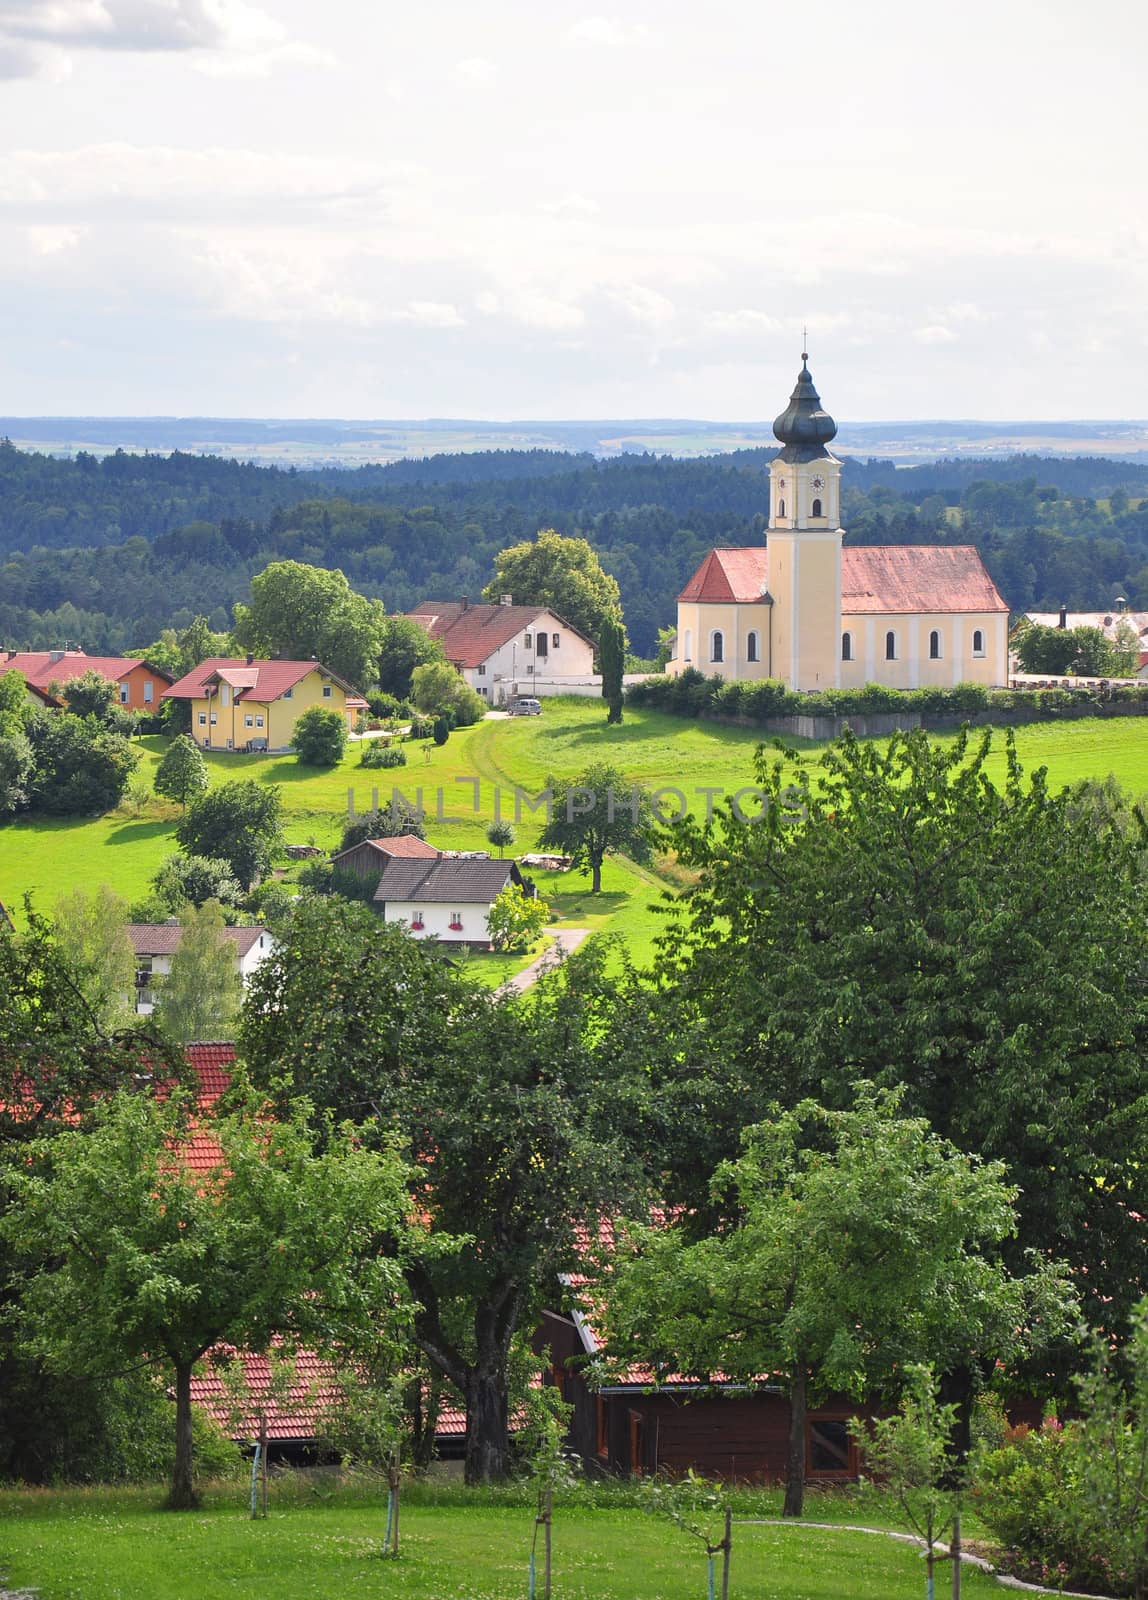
(237, 823)
(182, 771)
(377, 753)
(441, 731)
(320, 737)
(80, 768)
(184, 880)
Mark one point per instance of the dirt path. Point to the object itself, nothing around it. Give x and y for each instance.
(563, 942)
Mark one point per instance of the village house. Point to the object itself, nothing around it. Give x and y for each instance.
(504, 651)
(814, 615)
(139, 685)
(437, 895)
(1115, 624)
(253, 704)
(155, 943)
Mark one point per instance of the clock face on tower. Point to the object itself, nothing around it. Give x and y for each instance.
(819, 483)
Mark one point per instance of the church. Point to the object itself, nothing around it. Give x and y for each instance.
(817, 615)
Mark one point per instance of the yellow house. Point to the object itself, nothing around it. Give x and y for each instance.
(250, 704)
(818, 616)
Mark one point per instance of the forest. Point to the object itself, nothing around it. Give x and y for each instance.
(106, 552)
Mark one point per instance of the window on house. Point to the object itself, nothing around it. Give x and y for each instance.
(214, 719)
(258, 722)
(328, 691)
(528, 642)
(934, 646)
(815, 509)
(827, 1450)
(717, 646)
(751, 646)
(224, 694)
(203, 719)
(482, 689)
(846, 647)
(249, 722)
(555, 640)
(149, 691)
(542, 645)
(481, 669)
(890, 646)
(978, 642)
(124, 694)
(288, 694)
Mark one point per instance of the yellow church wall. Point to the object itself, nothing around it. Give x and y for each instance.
(805, 581)
(913, 667)
(697, 625)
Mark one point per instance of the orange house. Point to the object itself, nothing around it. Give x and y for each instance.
(139, 684)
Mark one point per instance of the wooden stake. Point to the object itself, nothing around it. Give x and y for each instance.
(726, 1546)
(263, 1457)
(955, 1552)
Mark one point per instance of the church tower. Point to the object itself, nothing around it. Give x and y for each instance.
(804, 543)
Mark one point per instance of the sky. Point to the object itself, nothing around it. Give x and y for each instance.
(533, 209)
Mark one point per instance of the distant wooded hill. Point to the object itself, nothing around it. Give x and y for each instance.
(106, 552)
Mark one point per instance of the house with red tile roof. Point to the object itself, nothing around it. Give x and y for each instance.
(155, 943)
(139, 685)
(813, 613)
(506, 651)
(248, 703)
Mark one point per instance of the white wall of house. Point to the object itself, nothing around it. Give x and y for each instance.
(521, 663)
(437, 919)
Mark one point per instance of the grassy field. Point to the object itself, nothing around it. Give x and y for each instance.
(460, 783)
(105, 1545)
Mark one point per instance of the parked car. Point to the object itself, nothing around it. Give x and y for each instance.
(525, 708)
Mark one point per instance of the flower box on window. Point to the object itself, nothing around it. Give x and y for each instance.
(417, 922)
(456, 924)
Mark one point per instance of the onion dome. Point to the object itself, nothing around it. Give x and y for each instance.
(803, 427)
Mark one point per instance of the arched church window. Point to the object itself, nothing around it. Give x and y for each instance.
(978, 642)
(781, 508)
(890, 646)
(934, 646)
(815, 509)
(717, 645)
(846, 647)
(688, 645)
(751, 645)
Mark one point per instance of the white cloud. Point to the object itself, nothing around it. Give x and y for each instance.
(38, 37)
(744, 321)
(51, 240)
(475, 69)
(935, 333)
(610, 32)
(571, 205)
(427, 314)
(643, 304)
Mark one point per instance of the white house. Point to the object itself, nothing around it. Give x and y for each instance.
(804, 610)
(508, 650)
(447, 899)
(155, 943)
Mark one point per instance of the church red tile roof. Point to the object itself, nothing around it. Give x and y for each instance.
(471, 634)
(915, 578)
(874, 578)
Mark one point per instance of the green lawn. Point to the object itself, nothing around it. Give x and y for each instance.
(103, 1545)
(504, 760)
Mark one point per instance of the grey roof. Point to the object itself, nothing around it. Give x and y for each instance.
(445, 882)
(804, 428)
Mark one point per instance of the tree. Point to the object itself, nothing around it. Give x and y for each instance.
(190, 880)
(853, 1243)
(80, 768)
(897, 914)
(92, 936)
(17, 765)
(437, 688)
(200, 997)
(405, 646)
(562, 574)
(320, 737)
(441, 730)
(393, 821)
(237, 823)
(147, 1258)
(91, 695)
(612, 658)
(500, 834)
(299, 611)
(513, 1109)
(1124, 650)
(516, 920)
(596, 814)
(182, 771)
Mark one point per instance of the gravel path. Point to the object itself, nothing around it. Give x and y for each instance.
(563, 942)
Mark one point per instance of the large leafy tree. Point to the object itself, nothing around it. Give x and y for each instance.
(182, 772)
(515, 1111)
(563, 574)
(596, 814)
(301, 611)
(200, 997)
(81, 768)
(405, 646)
(320, 737)
(237, 823)
(851, 1244)
(147, 1258)
(897, 913)
(92, 936)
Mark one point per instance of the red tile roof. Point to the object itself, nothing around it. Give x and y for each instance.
(730, 574)
(874, 578)
(261, 681)
(163, 938)
(39, 669)
(916, 578)
(212, 1064)
(404, 845)
(470, 636)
